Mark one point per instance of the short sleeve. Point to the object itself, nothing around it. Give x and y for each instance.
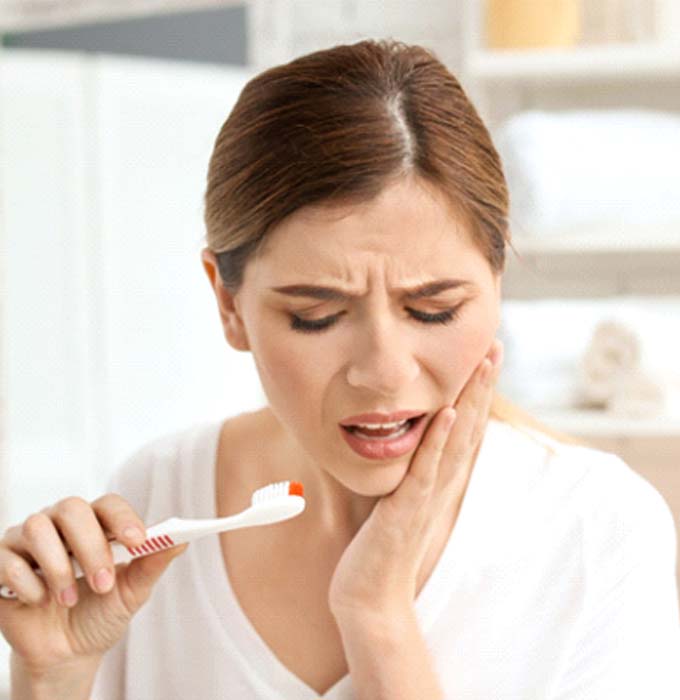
(627, 645)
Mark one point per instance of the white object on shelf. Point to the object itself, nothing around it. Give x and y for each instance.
(579, 168)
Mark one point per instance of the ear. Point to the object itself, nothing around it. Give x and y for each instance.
(227, 304)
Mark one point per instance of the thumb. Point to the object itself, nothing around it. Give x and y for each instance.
(143, 573)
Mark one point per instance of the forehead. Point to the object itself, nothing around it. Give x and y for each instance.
(407, 223)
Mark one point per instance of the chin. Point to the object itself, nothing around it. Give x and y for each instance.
(375, 483)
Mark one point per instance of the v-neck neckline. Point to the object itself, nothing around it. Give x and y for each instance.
(253, 651)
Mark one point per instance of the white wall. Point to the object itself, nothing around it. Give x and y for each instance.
(110, 331)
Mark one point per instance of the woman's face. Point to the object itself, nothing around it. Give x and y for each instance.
(375, 353)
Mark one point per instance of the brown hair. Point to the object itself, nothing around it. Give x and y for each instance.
(335, 127)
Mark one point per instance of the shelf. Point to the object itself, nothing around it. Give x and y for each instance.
(611, 62)
(593, 423)
(610, 239)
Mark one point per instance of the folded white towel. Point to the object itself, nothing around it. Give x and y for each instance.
(610, 377)
(581, 169)
(613, 353)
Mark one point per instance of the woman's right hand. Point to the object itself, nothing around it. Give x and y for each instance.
(44, 628)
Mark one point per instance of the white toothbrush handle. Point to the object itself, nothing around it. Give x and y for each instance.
(176, 531)
(156, 540)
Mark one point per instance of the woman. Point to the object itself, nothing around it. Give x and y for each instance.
(356, 217)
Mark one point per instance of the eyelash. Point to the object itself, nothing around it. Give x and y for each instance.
(321, 324)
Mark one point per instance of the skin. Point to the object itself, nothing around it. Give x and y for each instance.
(375, 357)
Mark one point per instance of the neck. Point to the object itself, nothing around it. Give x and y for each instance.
(332, 509)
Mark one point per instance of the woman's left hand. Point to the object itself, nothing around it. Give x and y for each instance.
(382, 569)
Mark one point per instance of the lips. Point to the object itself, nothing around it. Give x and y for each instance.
(395, 417)
(386, 447)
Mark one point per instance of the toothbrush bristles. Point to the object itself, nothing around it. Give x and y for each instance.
(277, 490)
(296, 489)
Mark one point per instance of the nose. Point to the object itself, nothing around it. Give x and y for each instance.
(383, 361)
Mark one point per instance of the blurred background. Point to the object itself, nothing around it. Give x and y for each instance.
(109, 334)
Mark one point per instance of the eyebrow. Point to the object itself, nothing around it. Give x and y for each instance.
(429, 289)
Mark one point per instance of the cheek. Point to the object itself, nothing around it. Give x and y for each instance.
(292, 381)
(281, 371)
(458, 359)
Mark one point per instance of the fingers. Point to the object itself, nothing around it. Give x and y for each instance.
(419, 480)
(430, 452)
(20, 578)
(446, 446)
(473, 407)
(48, 539)
(119, 519)
(47, 548)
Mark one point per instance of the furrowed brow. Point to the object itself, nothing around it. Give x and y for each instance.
(429, 289)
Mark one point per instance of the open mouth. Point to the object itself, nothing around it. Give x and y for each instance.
(386, 433)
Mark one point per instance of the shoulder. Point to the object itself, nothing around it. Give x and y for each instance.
(161, 466)
(592, 497)
(602, 477)
(628, 522)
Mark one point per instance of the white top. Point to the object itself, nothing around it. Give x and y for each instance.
(558, 582)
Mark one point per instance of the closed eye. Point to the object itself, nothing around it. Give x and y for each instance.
(321, 324)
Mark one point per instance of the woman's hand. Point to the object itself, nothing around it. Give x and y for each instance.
(47, 630)
(382, 569)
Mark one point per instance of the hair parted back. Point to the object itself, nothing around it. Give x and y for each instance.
(336, 127)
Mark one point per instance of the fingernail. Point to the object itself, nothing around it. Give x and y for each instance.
(69, 596)
(134, 534)
(103, 580)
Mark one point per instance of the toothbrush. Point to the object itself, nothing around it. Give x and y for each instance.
(279, 501)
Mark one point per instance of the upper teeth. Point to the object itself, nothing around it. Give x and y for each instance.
(384, 426)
